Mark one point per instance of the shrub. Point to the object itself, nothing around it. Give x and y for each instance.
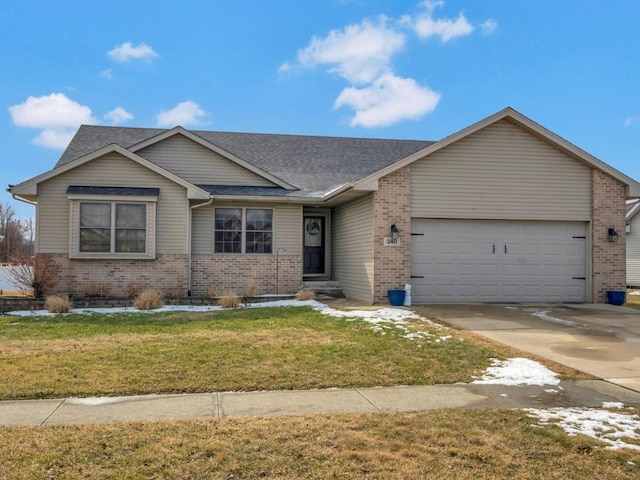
(305, 294)
(148, 300)
(37, 273)
(229, 300)
(251, 288)
(56, 304)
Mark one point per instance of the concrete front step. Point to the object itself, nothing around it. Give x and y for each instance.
(329, 287)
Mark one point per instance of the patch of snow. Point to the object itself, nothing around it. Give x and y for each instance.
(551, 390)
(97, 401)
(609, 427)
(612, 405)
(382, 318)
(634, 292)
(518, 371)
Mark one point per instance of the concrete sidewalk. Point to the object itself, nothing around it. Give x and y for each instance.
(582, 393)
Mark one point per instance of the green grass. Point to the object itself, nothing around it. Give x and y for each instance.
(445, 444)
(238, 350)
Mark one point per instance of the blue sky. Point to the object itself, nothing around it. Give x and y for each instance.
(364, 68)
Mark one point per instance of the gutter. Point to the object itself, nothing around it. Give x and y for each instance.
(191, 209)
(17, 198)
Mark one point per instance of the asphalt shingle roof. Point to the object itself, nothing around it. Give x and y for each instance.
(314, 164)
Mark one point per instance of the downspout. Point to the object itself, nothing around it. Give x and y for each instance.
(191, 209)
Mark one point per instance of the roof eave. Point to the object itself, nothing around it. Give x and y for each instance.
(30, 187)
(634, 186)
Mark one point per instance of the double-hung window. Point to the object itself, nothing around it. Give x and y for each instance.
(112, 222)
(113, 227)
(243, 230)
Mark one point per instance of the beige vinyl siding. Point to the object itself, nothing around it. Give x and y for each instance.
(501, 172)
(633, 252)
(198, 164)
(287, 227)
(112, 170)
(352, 248)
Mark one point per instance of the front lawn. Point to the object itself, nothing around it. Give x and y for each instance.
(445, 444)
(231, 350)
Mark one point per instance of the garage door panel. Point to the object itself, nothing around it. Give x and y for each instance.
(473, 260)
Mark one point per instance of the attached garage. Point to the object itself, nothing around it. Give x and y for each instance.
(498, 261)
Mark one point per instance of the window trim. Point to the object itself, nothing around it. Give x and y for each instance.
(150, 211)
(243, 231)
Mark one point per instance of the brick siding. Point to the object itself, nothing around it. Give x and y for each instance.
(232, 273)
(608, 258)
(392, 205)
(122, 278)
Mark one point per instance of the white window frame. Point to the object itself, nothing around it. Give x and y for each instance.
(243, 231)
(74, 241)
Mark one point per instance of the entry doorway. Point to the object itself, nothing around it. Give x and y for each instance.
(314, 245)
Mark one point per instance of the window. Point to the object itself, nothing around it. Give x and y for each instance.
(243, 230)
(113, 228)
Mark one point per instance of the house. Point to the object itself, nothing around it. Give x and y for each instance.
(501, 211)
(633, 243)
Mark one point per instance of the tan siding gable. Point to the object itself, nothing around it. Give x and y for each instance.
(112, 170)
(287, 227)
(198, 164)
(501, 172)
(352, 248)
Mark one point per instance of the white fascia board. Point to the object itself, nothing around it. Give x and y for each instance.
(213, 147)
(30, 187)
(633, 211)
(634, 186)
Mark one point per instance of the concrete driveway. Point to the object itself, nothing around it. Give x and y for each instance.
(601, 340)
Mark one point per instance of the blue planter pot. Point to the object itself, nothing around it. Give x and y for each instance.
(396, 297)
(616, 297)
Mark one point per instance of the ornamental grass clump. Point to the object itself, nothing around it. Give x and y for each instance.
(229, 300)
(148, 300)
(305, 294)
(56, 304)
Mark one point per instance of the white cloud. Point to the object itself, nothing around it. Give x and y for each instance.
(50, 111)
(56, 114)
(118, 115)
(362, 54)
(58, 139)
(447, 29)
(106, 74)
(285, 67)
(185, 113)
(127, 52)
(389, 99)
(629, 121)
(359, 52)
(488, 26)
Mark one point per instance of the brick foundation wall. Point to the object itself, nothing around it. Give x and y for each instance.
(232, 273)
(608, 258)
(392, 204)
(122, 278)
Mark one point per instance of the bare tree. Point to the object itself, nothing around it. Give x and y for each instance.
(37, 273)
(11, 229)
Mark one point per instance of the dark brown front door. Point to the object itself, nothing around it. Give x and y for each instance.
(313, 245)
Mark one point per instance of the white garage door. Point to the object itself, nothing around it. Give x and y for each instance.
(498, 261)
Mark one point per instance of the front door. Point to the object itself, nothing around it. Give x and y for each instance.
(314, 242)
